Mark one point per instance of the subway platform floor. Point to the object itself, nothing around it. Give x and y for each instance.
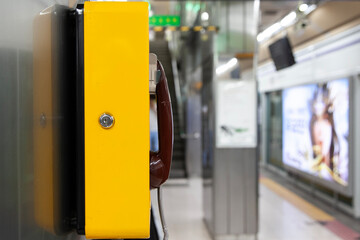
(283, 215)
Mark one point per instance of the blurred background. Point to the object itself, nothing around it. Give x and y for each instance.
(265, 101)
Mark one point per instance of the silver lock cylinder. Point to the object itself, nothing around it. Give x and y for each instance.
(106, 120)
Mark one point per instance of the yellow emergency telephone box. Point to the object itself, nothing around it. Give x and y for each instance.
(103, 107)
(116, 119)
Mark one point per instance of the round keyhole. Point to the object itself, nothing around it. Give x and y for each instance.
(106, 120)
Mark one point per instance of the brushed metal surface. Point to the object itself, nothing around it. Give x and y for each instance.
(17, 201)
(235, 192)
(193, 143)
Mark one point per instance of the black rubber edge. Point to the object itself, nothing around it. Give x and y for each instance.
(80, 132)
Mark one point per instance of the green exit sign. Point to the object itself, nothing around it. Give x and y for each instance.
(167, 20)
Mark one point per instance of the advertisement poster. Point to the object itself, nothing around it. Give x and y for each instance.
(236, 114)
(316, 130)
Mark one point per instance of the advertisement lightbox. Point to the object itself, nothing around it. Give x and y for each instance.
(316, 131)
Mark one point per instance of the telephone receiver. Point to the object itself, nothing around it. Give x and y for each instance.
(160, 161)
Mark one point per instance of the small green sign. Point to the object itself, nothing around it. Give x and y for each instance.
(167, 20)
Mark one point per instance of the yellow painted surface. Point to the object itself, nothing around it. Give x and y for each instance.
(158, 29)
(301, 204)
(211, 28)
(116, 62)
(198, 28)
(184, 28)
(43, 135)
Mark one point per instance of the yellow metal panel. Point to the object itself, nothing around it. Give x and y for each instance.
(43, 135)
(116, 72)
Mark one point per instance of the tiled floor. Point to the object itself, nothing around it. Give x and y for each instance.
(279, 219)
(183, 210)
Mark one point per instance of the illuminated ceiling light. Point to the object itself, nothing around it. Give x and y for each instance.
(272, 29)
(204, 16)
(227, 66)
(260, 37)
(288, 19)
(310, 9)
(267, 33)
(303, 7)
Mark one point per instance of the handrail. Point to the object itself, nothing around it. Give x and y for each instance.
(179, 100)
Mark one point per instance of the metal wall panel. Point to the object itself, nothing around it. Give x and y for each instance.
(235, 192)
(250, 157)
(193, 142)
(221, 191)
(237, 188)
(9, 154)
(17, 201)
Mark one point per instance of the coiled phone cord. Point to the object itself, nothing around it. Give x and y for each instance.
(162, 217)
